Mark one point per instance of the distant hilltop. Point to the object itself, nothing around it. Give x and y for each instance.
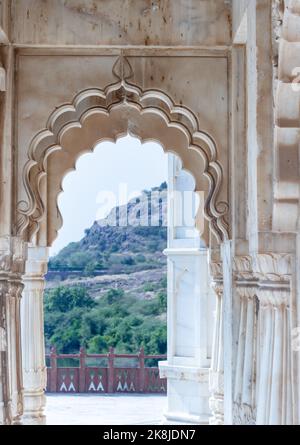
(130, 239)
(148, 209)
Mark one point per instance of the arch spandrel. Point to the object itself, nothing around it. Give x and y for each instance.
(96, 115)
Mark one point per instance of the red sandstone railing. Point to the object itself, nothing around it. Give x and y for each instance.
(108, 378)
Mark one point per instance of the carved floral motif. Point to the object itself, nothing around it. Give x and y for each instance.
(273, 267)
(243, 268)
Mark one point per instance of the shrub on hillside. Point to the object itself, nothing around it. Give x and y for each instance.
(64, 299)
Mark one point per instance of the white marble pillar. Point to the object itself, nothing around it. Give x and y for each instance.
(244, 343)
(12, 261)
(14, 347)
(244, 381)
(216, 372)
(275, 398)
(33, 350)
(189, 310)
(5, 402)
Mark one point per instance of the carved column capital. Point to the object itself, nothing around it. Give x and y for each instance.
(12, 255)
(273, 267)
(245, 280)
(15, 289)
(242, 267)
(216, 271)
(273, 272)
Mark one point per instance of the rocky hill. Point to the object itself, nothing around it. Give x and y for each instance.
(110, 288)
(120, 243)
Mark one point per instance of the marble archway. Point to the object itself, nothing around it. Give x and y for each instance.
(93, 116)
(96, 115)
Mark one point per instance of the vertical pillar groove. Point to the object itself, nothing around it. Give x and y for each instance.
(245, 337)
(274, 371)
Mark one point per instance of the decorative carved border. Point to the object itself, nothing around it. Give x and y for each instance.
(273, 267)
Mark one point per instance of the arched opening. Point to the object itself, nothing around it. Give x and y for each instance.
(64, 374)
(99, 115)
(107, 288)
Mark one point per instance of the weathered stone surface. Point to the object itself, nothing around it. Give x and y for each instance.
(121, 22)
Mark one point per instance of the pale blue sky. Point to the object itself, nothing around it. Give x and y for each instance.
(139, 166)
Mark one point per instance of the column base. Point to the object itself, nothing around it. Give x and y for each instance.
(34, 403)
(188, 394)
(218, 417)
(216, 400)
(17, 421)
(33, 419)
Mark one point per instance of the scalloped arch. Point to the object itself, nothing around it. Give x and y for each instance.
(96, 115)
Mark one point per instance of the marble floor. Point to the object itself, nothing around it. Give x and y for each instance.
(114, 409)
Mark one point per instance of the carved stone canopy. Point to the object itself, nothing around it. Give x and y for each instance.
(97, 115)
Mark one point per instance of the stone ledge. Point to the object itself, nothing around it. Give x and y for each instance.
(189, 373)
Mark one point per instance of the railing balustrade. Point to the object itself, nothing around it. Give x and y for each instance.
(107, 377)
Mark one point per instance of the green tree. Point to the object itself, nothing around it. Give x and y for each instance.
(90, 269)
(97, 345)
(162, 298)
(79, 260)
(114, 295)
(64, 299)
(149, 287)
(128, 260)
